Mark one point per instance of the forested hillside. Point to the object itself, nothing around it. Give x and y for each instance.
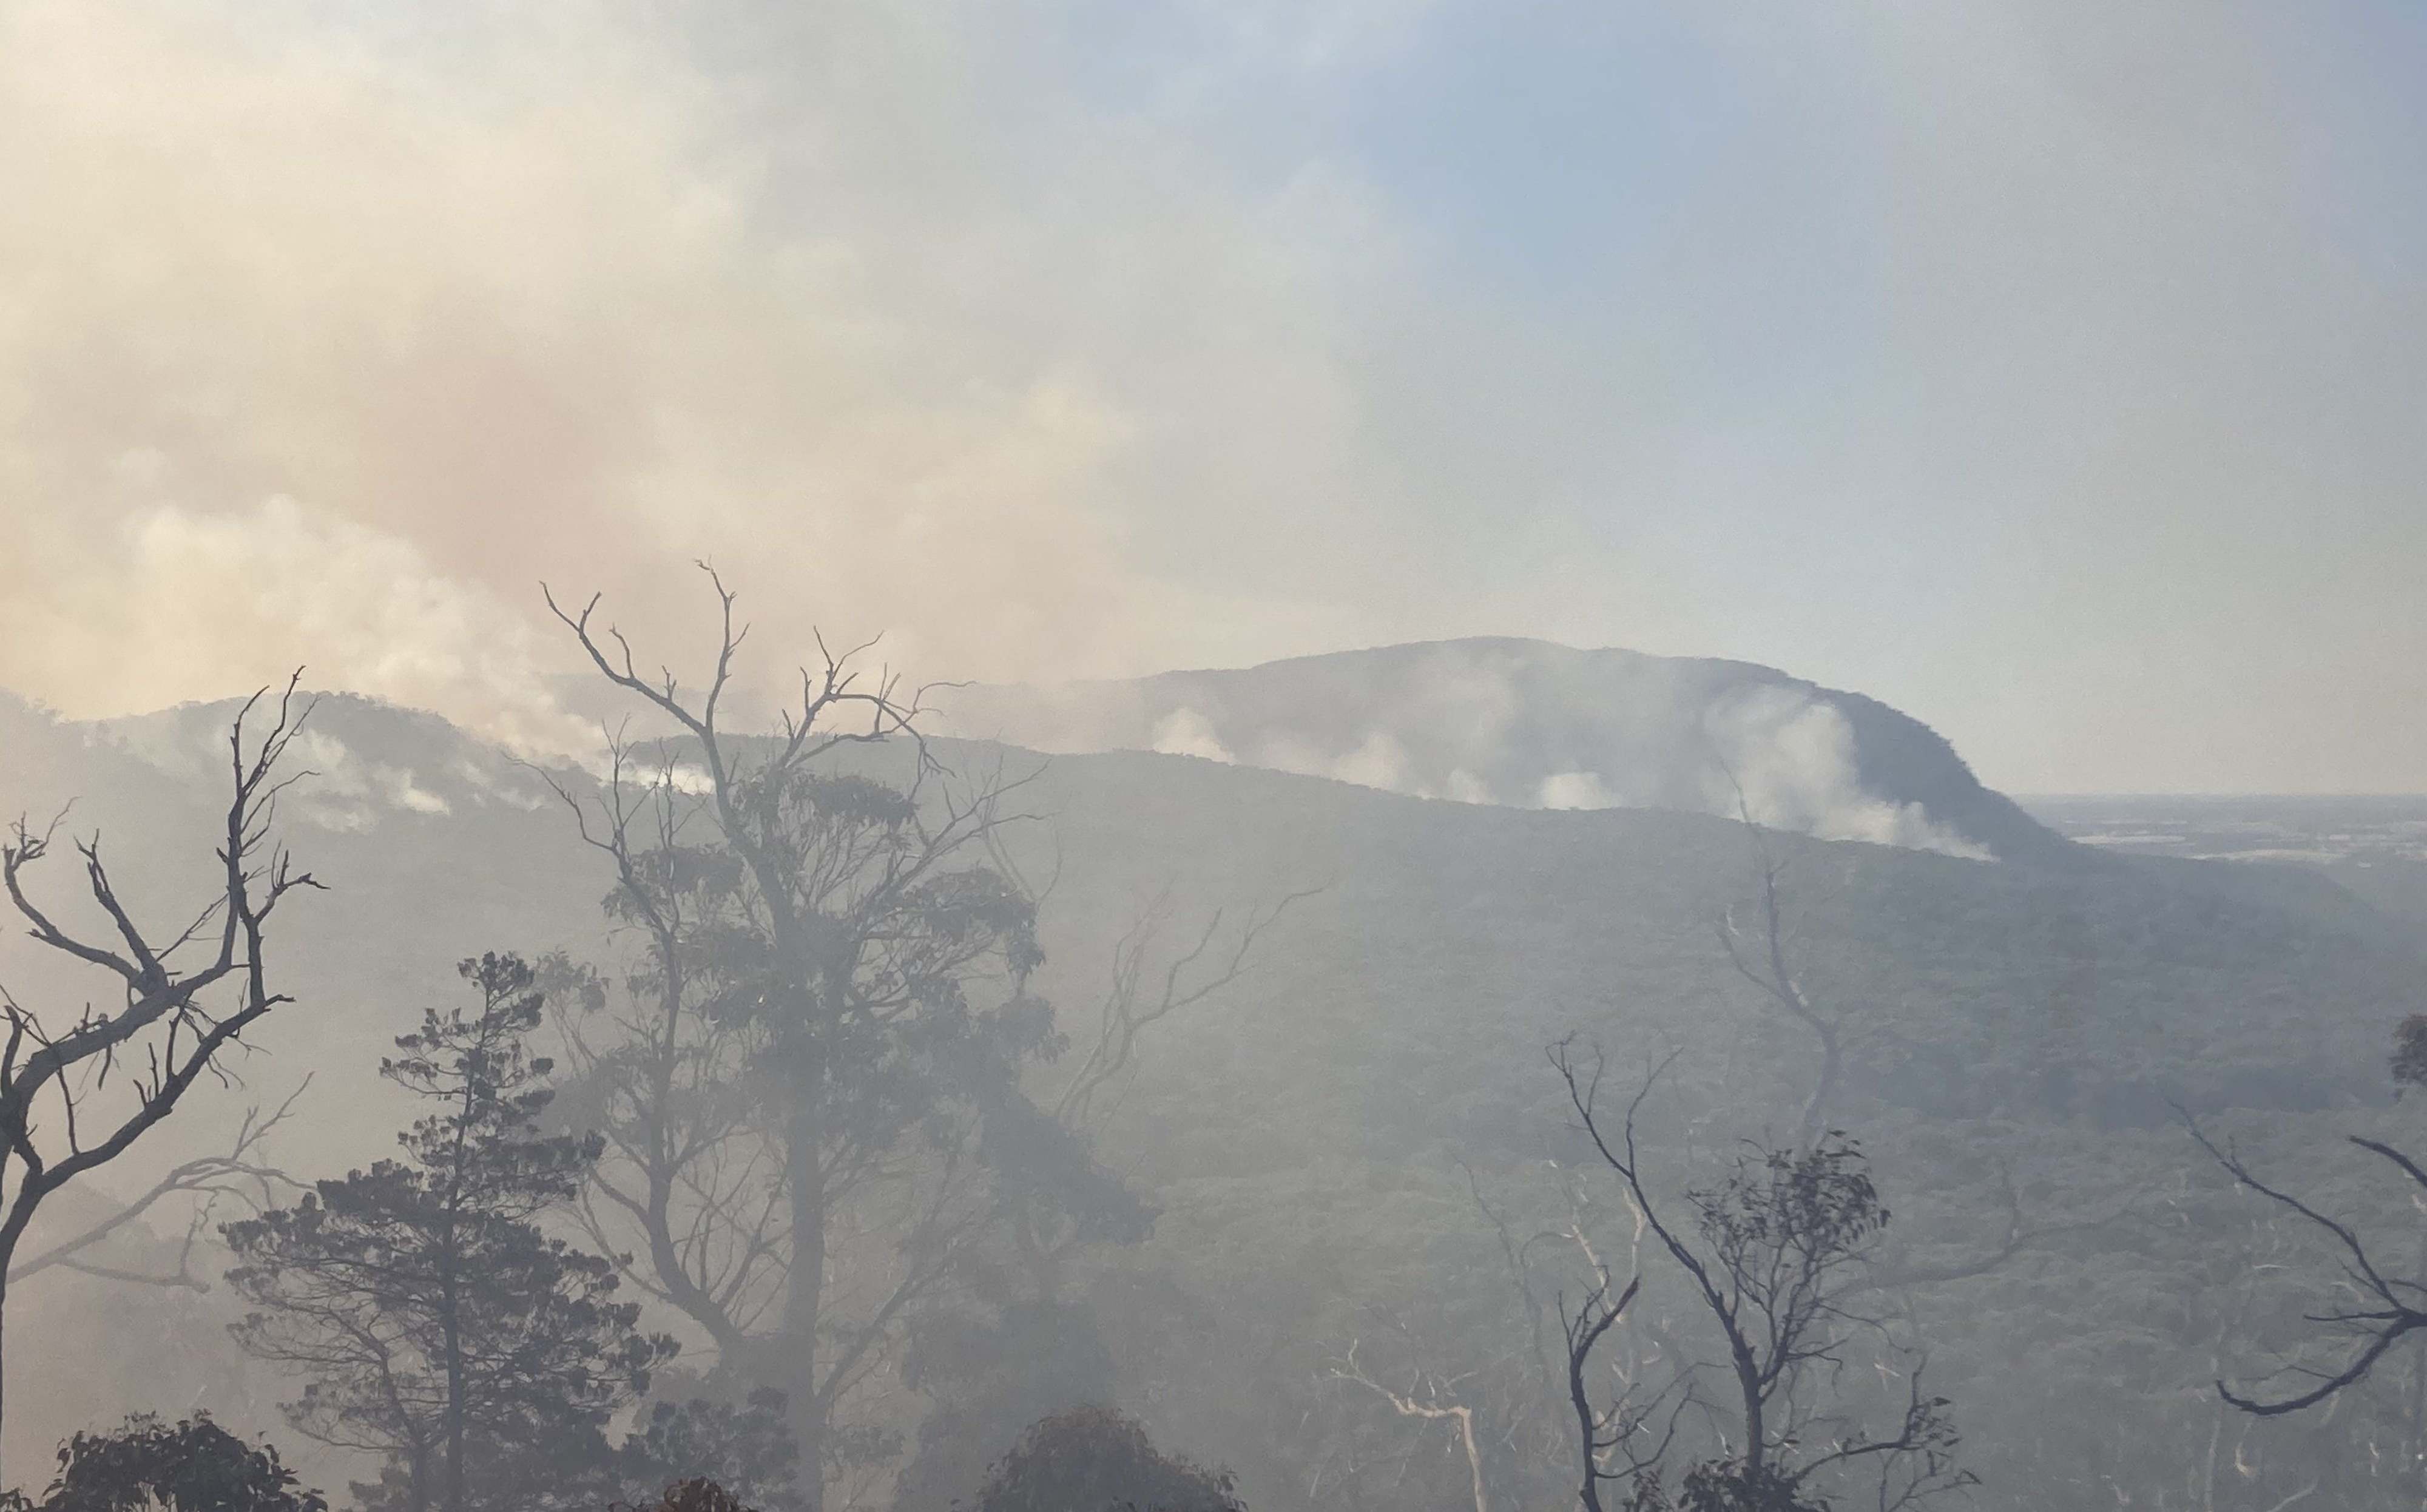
(1351, 1148)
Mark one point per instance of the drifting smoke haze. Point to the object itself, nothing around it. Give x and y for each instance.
(328, 341)
(1639, 482)
(1921, 351)
(1524, 725)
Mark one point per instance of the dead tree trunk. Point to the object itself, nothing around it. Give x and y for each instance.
(183, 998)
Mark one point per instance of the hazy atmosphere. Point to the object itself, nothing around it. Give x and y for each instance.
(2052, 370)
(1651, 756)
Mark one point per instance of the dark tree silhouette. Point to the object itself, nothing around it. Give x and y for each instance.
(811, 1099)
(433, 1319)
(183, 998)
(2386, 1308)
(2381, 1302)
(1774, 1256)
(241, 1175)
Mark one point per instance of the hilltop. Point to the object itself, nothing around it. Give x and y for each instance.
(1528, 723)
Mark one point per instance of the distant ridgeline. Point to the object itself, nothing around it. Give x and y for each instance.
(1528, 725)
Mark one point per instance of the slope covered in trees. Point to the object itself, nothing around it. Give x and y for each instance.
(1315, 1140)
(1532, 724)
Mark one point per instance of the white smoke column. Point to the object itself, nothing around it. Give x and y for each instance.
(1791, 756)
(1184, 732)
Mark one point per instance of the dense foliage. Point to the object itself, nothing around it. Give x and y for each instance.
(810, 1093)
(1092, 1458)
(193, 1465)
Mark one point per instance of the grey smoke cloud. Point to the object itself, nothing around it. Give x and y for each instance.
(2049, 370)
(325, 347)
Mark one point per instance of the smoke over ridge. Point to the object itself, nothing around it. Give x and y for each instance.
(1530, 725)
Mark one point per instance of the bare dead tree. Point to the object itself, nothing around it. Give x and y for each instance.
(1429, 1397)
(670, 1086)
(1762, 949)
(806, 939)
(1615, 1442)
(1551, 1416)
(1774, 1256)
(2378, 1304)
(240, 1175)
(2270, 1251)
(183, 998)
(1516, 1258)
(1500, 1407)
(1189, 977)
(1137, 997)
(1760, 954)
(2386, 1306)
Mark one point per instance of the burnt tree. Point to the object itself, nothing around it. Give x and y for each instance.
(183, 998)
(2378, 1302)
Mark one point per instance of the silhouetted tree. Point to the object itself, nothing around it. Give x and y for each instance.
(1762, 946)
(433, 1320)
(1095, 1459)
(1763, 955)
(2381, 1302)
(183, 998)
(816, 1078)
(1774, 1256)
(192, 1466)
(1016, 1344)
(240, 1174)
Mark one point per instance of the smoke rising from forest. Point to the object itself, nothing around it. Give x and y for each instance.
(1211, 755)
(1492, 722)
(1145, 350)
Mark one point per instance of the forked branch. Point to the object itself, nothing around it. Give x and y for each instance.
(2390, 1308)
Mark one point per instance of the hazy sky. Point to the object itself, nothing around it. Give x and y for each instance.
(2056, 372)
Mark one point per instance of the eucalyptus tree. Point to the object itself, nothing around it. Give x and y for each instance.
(1774, 1256)
(809, 1082)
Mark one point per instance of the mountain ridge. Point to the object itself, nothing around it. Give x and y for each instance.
(1532, 723)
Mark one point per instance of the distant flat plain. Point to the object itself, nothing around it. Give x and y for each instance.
(2316, 831)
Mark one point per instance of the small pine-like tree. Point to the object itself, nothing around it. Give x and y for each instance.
(432, 1317)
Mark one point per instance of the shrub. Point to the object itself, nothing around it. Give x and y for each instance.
(195, 1466)
(1095, 1459)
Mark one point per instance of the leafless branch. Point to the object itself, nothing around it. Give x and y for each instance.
(2392, 1312)
(238, 1173)
(170, 1020)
